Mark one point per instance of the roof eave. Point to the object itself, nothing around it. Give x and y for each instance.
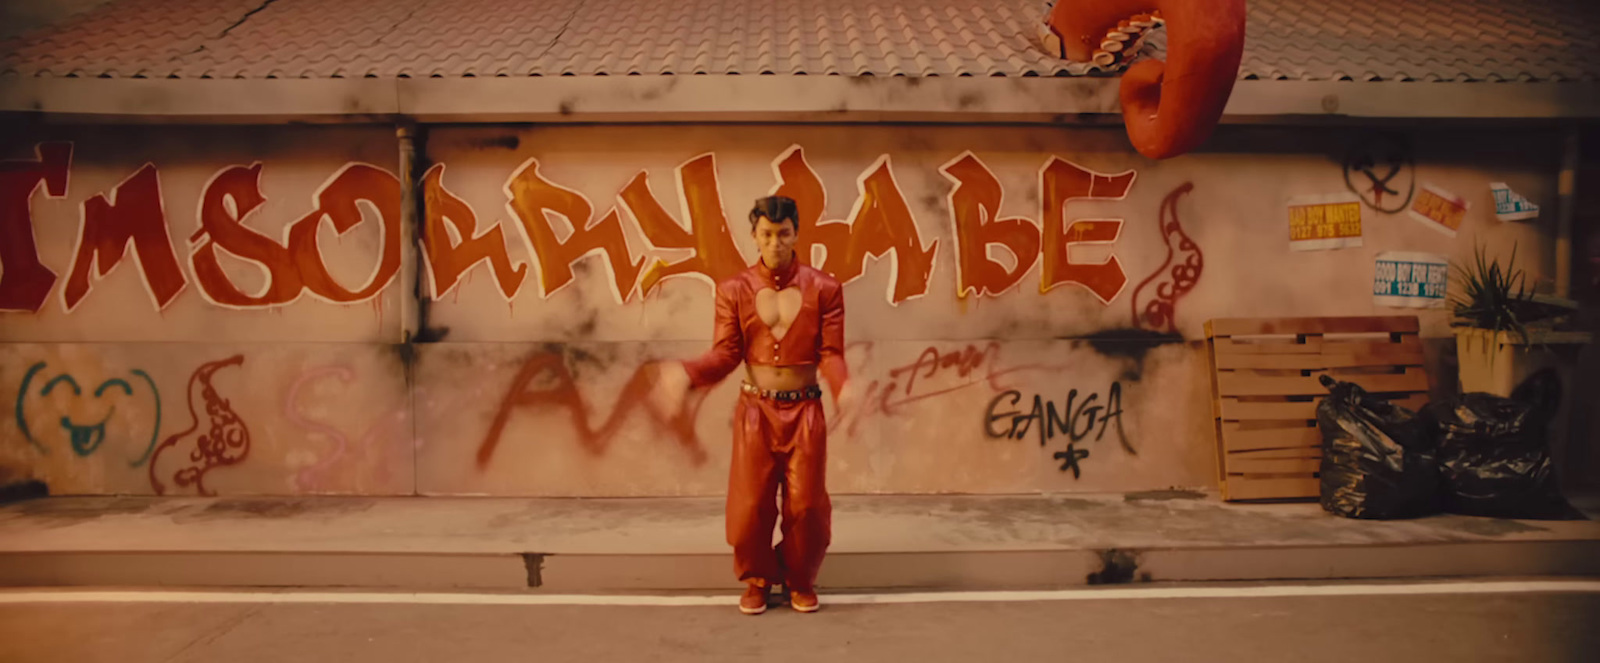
(773, 98)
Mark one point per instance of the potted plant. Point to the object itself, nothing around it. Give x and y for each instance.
(1504, 331)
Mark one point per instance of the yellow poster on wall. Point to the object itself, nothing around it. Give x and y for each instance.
(1331, 221)
(1439, 209)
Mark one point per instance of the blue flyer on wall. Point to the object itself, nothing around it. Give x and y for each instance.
(1403, 279)
(1511, 206)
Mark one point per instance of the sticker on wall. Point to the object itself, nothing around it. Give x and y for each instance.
(1403, 279)
(1331, 221)
(1509, 206)
(1439, 209)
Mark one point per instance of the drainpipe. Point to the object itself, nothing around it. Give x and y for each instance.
(412, 298)
(1566, 208)
(413, 301)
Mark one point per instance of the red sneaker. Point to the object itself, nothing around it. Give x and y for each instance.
(754, 601)
(804, 600)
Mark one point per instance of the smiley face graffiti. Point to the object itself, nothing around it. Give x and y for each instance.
(86, 438)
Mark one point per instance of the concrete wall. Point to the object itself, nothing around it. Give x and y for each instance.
(531, 386)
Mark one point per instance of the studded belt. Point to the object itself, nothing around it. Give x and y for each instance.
(801, 394)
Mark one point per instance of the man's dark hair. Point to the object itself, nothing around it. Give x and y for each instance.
(777, 209)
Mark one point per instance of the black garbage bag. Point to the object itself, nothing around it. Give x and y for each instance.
(1377, 459)
(1494, 452)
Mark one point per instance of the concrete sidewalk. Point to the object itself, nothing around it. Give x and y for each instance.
(602, 545)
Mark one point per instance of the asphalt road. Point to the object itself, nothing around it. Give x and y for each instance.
(1511, 626)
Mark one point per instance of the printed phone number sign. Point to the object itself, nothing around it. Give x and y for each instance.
(1410, 280)
(1324, 222)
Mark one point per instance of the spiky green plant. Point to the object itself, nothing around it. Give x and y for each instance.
(1491, 298)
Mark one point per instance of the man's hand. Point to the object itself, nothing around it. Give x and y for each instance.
(671, 386)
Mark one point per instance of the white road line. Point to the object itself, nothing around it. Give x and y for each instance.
(36, 596)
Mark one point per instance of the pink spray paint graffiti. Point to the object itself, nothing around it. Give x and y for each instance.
(315, 477)
(306, 478)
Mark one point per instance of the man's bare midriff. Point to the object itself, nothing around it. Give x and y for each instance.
(782, 378)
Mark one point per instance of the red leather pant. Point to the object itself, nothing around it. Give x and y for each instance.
(780, 454)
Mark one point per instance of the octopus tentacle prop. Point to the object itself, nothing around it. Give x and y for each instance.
(1169, 107)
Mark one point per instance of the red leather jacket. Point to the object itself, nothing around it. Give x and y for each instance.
(815, 337)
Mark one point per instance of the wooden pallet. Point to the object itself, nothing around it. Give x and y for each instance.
(1265, 392)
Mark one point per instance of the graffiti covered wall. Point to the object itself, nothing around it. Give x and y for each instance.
(1025, 305)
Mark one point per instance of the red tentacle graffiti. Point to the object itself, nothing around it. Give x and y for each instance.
(1172, 281)
(565, 394)
(226, 442)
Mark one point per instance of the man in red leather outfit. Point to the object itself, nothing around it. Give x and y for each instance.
(785, 322)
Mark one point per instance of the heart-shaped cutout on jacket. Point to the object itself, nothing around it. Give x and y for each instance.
(778, 309)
